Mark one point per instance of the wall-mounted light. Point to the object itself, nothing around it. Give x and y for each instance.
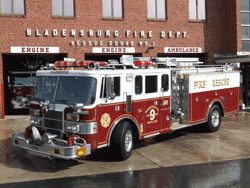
(150, 48)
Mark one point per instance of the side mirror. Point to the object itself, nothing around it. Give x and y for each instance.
(110, 88)
(78, 106)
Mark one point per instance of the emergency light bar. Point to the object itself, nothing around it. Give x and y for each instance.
(128, 61)
(88, 63)
(177, 62)
(143, 63)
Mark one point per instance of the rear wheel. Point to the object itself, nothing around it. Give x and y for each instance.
(123, 141)
(214, 119)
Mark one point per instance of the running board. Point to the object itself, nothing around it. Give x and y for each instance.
(176, 126)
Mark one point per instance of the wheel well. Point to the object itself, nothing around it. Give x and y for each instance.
(134, 127)
(135, 131)
(220, 106)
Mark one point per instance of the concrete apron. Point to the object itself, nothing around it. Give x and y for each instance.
(186, 146)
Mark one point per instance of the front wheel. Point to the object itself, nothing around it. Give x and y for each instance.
(214, 119)
(123, 141)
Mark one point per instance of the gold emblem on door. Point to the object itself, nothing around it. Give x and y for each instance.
(105, 120)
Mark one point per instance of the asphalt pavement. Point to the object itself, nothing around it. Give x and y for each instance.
(186, 158)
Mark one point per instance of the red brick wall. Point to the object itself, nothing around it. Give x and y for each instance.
(219, 34)
(214, 32)
(223, 28)
(233, 27)
(1, 90)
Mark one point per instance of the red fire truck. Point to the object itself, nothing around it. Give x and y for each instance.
(20, 85)
(80, 106)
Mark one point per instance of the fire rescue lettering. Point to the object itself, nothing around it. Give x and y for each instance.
(199, 84)
(220, 82)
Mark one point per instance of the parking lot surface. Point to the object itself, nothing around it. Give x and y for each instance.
(183, 147)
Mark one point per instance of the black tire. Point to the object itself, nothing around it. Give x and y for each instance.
(122, 149)
(214, 119)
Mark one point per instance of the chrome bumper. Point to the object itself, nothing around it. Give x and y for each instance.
(15, 104)
(48, 150)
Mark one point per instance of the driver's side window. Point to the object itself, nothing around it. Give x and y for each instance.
(117, 87)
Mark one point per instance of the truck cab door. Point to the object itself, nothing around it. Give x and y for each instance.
(110, 108)
(152, 104)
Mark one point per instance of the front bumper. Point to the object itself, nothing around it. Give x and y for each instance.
(50, 150)
(16, 104)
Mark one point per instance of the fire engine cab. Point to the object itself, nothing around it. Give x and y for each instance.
(80, 106)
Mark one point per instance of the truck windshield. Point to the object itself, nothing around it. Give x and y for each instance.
(23, 80)
(65, 89)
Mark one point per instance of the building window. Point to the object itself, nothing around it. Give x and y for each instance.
(112, 8)
(197, 10)
(156, 9)
(12, 7)
(245, 25)
(63, 8)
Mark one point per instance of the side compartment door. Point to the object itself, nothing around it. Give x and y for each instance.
(138, 101)
(165, 103)
(197, 98)
(232, 92)
(216, 85)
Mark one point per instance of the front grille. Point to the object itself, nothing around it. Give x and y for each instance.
(53, 115)
(53, 124)
(51, 131)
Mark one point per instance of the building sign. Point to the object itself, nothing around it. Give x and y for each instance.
(105, 33)
(182, 50)
(111, 38)
(33, 49)
(113, 50)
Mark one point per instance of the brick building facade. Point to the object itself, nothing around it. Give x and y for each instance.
(40, 33)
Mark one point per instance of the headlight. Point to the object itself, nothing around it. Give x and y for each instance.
(35, 121)
(72, 117)
(48, 138)
(34, 112)
(83, 128)
(73, 127)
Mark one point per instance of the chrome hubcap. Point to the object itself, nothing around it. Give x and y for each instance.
(128, 140)
(215, 118)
